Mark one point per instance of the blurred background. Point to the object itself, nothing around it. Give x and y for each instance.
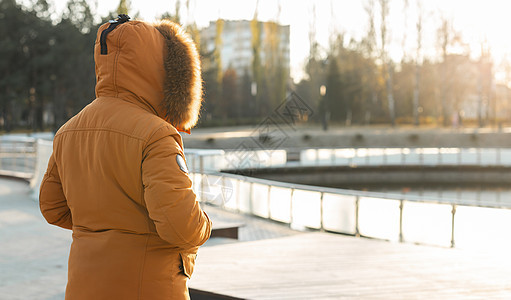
(371, 62)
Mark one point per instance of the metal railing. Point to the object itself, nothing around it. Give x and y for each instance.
(18, 156)
(404, 218)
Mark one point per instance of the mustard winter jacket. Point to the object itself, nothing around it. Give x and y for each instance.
(116, 176)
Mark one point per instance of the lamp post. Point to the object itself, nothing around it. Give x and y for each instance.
(326, 111)
(253, 92)
(322, 90)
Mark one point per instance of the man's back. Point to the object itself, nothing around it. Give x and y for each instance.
(117, 179)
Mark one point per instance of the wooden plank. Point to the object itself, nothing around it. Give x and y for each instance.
(322, 265)
(203, 295)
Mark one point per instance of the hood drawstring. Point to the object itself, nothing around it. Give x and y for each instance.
(113, 23)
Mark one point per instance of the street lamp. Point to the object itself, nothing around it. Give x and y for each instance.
(253, 104)
(326, 112)
(322, 90)
(253, 88)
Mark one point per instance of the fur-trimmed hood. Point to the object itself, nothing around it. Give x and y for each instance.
(155, 66)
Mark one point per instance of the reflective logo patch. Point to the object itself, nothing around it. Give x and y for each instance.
(181, 163)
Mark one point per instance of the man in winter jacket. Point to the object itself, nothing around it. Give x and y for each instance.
(118, 177)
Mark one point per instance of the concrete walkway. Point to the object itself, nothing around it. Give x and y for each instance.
(33, 254)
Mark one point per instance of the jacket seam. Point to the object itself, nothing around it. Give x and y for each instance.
(44, 182)
(186, 241)
(116, 59)
(154, 133)
(101, 129)
(142, 269)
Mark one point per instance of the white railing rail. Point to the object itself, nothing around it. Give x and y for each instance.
(215, 160)
(406, 156)
(17, 156)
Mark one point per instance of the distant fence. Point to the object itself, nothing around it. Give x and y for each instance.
(214, 160)
(17, 156)
(44, 150)
(406, 156)
(404, 218)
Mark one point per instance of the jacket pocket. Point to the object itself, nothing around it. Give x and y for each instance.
(188, 263)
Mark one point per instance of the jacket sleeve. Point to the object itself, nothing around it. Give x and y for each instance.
(169, 197)
(52, 202)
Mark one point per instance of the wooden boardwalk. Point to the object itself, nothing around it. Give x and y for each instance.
(330, 266)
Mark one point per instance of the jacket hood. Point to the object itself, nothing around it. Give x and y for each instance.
(155, 66)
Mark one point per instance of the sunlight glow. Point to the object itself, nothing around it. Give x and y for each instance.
(477, 21)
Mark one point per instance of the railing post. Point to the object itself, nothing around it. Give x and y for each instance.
(269, 202)
(291, 207)
(401, 205)
(201, 166)
(194, 162)
(321, 211)
(238, 182)
(35, 147)
(357, 205)
(25, 159)
(453, 211)
(250, 204)
(13, 160)
(223, 193)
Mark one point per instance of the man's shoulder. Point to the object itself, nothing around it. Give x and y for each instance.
(118, 116)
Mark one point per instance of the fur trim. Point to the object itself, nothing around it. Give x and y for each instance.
(183, 82)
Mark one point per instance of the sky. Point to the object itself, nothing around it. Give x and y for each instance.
(478, 21)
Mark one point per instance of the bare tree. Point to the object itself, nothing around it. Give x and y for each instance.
(275, 75)
(484, 84)
(457, 74)
(444, 39)
(255, 28)
(370, 39)
(418, 54)
(386, 62)
(406, 6)
(314, 64)
(369, 44)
